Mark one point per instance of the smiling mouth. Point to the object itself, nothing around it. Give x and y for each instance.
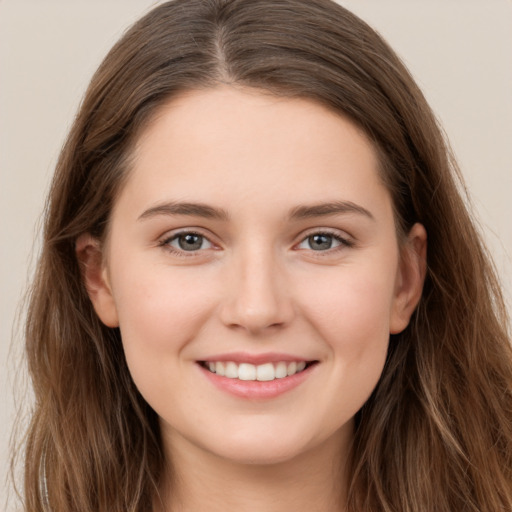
(250, 372)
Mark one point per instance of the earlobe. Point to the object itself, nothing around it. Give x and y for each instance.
(410, 278)
(95, 278)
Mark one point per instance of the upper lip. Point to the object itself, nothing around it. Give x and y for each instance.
(256, 359)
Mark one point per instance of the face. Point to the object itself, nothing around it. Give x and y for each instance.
(253, 267)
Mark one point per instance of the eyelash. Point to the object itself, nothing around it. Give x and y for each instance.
(165, 243)
(343, 243)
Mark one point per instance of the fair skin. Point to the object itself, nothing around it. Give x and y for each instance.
(254, 231)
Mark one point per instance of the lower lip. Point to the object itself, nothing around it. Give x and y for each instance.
(254, 389)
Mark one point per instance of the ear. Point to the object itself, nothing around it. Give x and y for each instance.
(410, 278)
(96, 280)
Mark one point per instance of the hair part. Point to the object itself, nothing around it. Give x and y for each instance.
(436, 433)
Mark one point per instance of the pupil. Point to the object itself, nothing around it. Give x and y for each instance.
(320, 242)
(190, 242)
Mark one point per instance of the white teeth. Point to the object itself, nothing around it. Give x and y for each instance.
(262, 372)
(247, 372)
(265, 372)
(292, 368)
(281, 370)
(219, 369)
(231, 370)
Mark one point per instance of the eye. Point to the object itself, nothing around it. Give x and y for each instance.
(189, 242)
(323, 242)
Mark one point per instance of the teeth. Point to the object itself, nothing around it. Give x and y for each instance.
(265, 372)
(247, 371)
(231, 370)
(281, 370)
(262, 372)
(219, 369)
(292, 369)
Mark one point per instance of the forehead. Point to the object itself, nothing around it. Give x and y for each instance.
(240, 110)
(237, 143)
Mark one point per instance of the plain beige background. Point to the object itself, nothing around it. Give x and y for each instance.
(458, 50)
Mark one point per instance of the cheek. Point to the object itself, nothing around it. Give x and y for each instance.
(352, 318)
(353, 307)
(160, 310)
(157, 324)
(351, 313)
(346, 312)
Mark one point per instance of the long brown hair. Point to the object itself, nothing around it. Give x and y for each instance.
(436, 434)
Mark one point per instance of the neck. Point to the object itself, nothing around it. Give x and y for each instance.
(313, 480)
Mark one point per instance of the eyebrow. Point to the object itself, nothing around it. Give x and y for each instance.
(298, 213)
(192, 209)
(331, 208)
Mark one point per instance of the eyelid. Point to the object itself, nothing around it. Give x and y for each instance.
(344, 239)
(169, 236)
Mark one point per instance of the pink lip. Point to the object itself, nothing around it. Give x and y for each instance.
(255, 389)
(244, 357)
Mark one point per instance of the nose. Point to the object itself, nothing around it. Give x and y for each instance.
(258, 298)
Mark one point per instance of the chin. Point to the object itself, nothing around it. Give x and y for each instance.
(265, 446)
(260, 456)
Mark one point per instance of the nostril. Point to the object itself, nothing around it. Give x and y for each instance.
(257, 299)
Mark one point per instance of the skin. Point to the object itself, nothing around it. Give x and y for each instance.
(256, 284)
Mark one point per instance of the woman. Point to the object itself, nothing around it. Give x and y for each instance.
(234, 305)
